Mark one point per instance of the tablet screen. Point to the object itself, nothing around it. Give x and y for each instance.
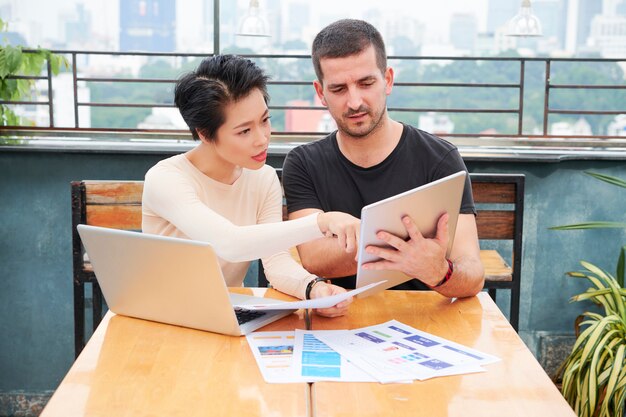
(425, 205)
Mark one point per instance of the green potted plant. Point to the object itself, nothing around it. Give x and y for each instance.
(15, 61)
(594, 373)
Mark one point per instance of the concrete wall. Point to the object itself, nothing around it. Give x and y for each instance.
(36, 319)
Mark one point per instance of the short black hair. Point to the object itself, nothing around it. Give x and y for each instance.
(202, 95)
(344, 38)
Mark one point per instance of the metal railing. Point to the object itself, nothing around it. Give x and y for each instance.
(519, 85)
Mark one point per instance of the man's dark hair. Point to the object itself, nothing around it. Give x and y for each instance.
(344, 38)
(202, 95)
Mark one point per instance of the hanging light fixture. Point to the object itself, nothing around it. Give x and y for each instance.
(253, 24)
(524, 23)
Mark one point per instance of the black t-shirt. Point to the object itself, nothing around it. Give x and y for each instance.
(317, 175)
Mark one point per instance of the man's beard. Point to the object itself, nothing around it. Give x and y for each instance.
(361, 131)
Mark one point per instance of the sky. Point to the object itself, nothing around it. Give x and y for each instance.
(435, 14)
(42, 17)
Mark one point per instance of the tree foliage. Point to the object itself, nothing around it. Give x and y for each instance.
(508, 72)
(458, 71)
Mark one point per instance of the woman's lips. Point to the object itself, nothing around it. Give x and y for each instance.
(260, 157)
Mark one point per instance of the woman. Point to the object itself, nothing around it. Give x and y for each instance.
(221, 192)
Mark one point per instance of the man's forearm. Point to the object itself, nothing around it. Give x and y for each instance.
(467, 279)
(324, 258)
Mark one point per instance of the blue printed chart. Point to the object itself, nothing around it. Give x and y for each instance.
(315, 361)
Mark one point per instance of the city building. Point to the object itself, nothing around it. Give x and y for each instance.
(587, 10)
(553, 15)
(618, 126)
(148, 25)
(63, 103)
(163, 118)
(463, 28)
(608, 31)
(578, 128)
(499, 12)
(438, 124)
(308, 120)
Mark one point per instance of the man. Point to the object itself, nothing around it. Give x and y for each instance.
(371, 157)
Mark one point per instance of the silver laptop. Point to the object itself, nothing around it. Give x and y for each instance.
(169, 280)
(424, 204)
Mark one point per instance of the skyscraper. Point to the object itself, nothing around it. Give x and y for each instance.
(587, 10)
(499, 12)
(148, 25)
(463, 31)
(77, 27)
(608, 31)
(297, 18)
(553, 16)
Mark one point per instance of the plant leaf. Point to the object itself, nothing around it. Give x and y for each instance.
(602, 281)
(607, 178)
(13, 57)
(590, 294)
(615, 373)
(620, 266)
(596, 367)
(10, 85)
(56, 61)
(22, 89)
(33, 63)
(595, 335)
(591, 225)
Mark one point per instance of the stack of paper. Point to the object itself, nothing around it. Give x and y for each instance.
(388, 352)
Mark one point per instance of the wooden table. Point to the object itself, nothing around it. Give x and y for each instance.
(134, 367)
(515, 386)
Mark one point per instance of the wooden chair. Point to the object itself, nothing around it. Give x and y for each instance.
(114, 204)
(499, 202)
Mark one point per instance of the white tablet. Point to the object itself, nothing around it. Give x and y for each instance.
(425, 205)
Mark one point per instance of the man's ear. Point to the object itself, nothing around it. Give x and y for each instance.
(388, 80)
(319, 89)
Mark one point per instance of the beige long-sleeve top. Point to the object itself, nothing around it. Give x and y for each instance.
(242, 221)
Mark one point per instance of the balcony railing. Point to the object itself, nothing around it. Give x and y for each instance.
(517, 82)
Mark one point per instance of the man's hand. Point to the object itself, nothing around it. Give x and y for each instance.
(418, 257)
(321, 289)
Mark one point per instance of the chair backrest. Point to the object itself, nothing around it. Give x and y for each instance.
(499, 202)
(498, 189)
(114, 204)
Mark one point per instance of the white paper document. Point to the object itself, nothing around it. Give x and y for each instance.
(393, 351)
(273, 352)
(387, 352)
(300, 357)
(323, 302)
(314, 361)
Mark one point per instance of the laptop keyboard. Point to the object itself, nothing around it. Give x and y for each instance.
(244, 315)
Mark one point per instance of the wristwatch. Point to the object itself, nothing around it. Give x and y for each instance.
(309, 287)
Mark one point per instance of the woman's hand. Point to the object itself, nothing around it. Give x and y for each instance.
(342, 225)
(322, 289)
